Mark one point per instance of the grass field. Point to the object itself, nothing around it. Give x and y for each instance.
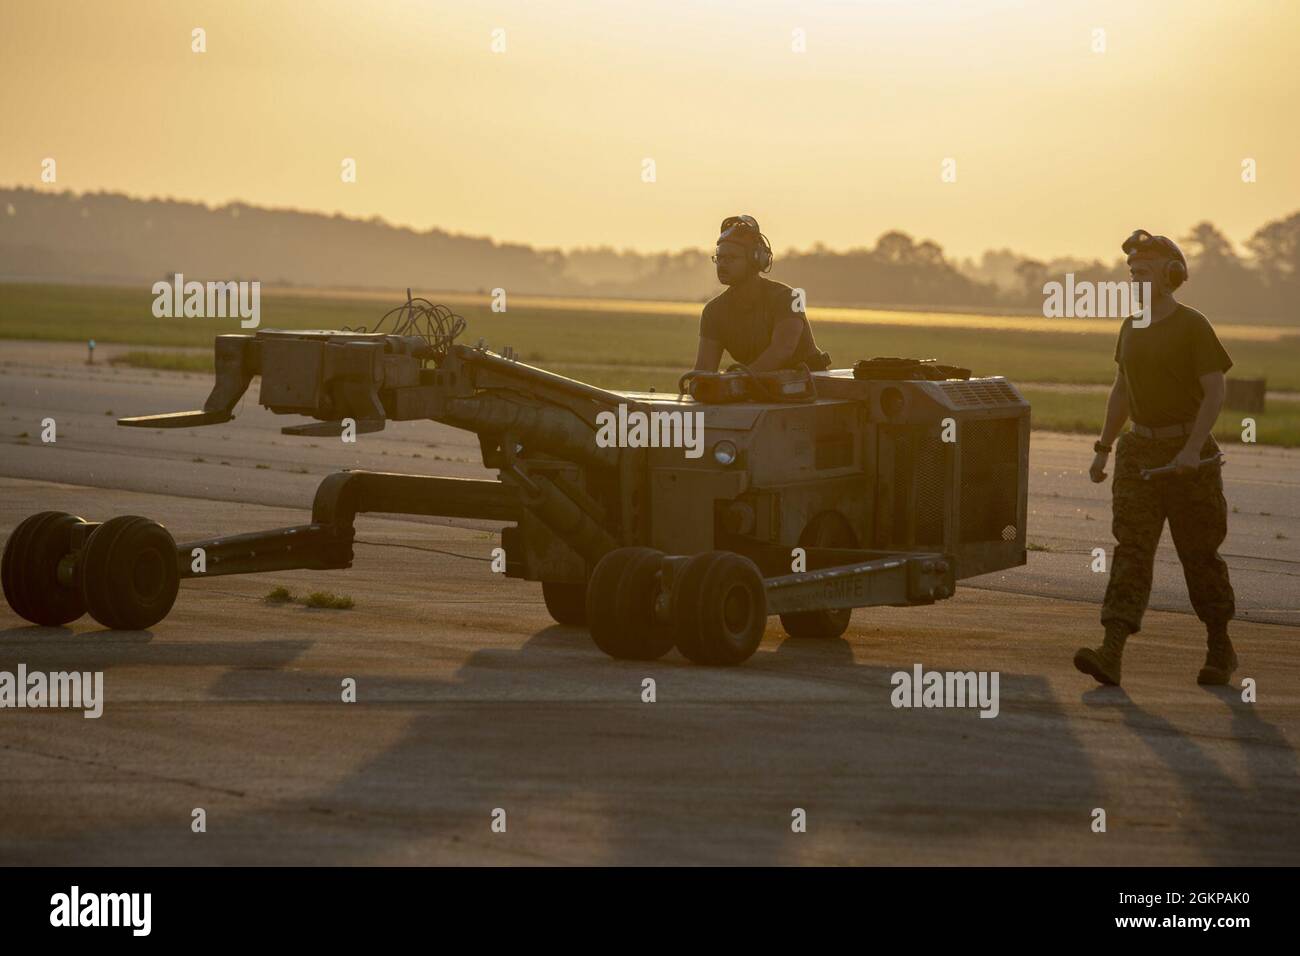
(638, 345)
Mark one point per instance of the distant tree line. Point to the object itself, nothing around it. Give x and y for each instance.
(1262, 284)
(110, 237)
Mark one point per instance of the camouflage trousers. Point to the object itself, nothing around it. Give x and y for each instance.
(1198, 521)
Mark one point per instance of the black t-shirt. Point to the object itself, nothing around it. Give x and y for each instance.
(743, 316)
(1163, 364)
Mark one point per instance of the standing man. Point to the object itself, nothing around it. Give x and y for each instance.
(755, 319)
(1171, 381)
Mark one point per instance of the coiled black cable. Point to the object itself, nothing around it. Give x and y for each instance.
(434, 323)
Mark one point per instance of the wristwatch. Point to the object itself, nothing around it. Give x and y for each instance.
(1098, 447)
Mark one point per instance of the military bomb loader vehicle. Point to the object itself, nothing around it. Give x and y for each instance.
(656, 520)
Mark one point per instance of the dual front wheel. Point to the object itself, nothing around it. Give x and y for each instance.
(30, 570)
(715, 615)
(125, 574)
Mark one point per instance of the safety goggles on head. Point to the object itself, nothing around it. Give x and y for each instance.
(1142, 245)
(748, 222)
(744, 231)
(1142, 242)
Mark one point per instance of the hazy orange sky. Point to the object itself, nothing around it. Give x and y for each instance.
(1059, 149)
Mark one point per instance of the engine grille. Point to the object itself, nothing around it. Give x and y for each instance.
(930, 470)
(980, 393)
(926, 487)
(916, 489)
(990, 472)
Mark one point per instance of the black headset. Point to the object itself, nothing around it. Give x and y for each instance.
(1176, 264)
(744, 230)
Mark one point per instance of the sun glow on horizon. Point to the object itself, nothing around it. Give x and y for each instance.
(1059, 149)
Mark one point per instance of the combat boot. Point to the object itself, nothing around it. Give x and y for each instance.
(1220, 658)
(1103, 663)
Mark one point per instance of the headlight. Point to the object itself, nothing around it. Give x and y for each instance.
(724, 453)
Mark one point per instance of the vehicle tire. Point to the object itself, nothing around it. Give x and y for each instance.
(609, 629)
(719, 608)
(30, 570)
(566, 602)
(128, 574)
(830, 529)
(644, 637)
(821, 625)
(684, 607)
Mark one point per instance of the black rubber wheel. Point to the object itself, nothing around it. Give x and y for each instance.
(566, 602)
(30, 570)
(684, 607)
(719, 608)
(644, 638)
(620, 605)
(830, 529)
(128, 575)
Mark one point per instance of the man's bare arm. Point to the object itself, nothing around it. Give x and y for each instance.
(1213, 385)
(1117, 412)
(785, 339)
(708, 356)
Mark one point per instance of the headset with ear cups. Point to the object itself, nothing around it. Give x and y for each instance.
(734, 227)
(1175, 272)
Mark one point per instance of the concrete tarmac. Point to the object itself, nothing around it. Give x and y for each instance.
(470, 699)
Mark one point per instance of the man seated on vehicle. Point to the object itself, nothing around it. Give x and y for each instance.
(758, 321)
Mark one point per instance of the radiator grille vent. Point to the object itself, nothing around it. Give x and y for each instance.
(913, 496)
(930, 473)
(980, 393)
(990, 472)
